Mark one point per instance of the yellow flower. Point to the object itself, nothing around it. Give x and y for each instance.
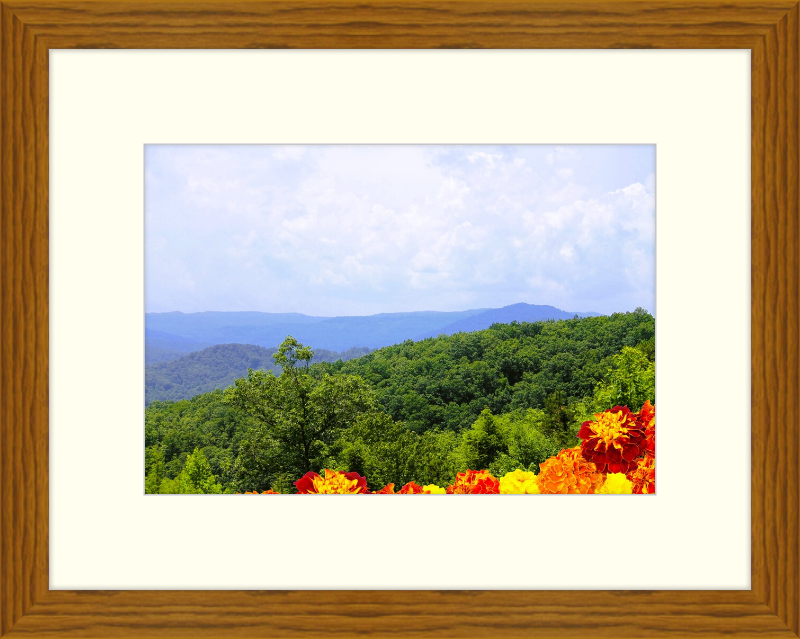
(334, 483)
(433, 489)
(519, 482)
(616, 484)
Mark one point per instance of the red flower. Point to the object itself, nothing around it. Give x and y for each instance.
(647, 419)
(643, 476)
(334, 482)
(388, 489)
(361, 482)
(613, 440)
(412, 489)
(474, 482)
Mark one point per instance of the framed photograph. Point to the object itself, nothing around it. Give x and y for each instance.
(358, 319)
(91, 139)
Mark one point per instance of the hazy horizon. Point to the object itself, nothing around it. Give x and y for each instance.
(457, 310)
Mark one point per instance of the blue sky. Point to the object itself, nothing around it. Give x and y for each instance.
(357, 230)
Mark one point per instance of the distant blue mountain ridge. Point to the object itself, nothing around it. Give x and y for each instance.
(514, 313)
(171, 335)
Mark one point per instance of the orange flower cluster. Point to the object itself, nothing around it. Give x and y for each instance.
(474, 482)
(616, 456)
(568, 473)
(410, 488)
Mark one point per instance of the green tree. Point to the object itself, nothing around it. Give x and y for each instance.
(528, 446)
(502, 443)
(154, 469)
(559, 423)
(648, 347)
(379, 449)
(630, 382)
(484, 441)
(299, 416)
(195, 478)
(435, 459)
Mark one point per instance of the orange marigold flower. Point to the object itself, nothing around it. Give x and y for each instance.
(613, 440)
(388, 489)
(474, 482)
(589, 480)
(568, 473)
(255, 492)
(644, 476)
(412, 488)
(646, 417)
(334, 483)
(556, 477)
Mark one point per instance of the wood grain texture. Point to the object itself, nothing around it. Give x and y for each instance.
(30, 28)
(400, 24)
(23, 321)
(402, 614)
(775, 328)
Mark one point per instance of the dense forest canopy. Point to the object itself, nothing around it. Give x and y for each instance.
(503, 398)
(446, 382)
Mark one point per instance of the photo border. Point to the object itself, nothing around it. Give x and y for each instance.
(30, 28)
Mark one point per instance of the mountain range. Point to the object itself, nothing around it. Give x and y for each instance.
(172, 335)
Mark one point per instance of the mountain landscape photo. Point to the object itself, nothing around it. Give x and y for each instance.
(399, 319)
(211, 350)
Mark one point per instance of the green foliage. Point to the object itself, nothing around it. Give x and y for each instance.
(195, 478)
(377, 448)
(484, 442)
(203, 371)
(648, 347)
(435, 458)
(630, 381)
(154, 469)
(528, 446)
(559, 422)
(504, 398)
(445, 383)
(173, 430)
(501, 443)
(299, 416)
(290, 352)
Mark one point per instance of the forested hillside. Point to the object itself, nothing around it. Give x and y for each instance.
(446, 382)
(217, 367)
(163, 347)
(504, 398)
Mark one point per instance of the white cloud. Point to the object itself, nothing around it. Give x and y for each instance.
(353, 229)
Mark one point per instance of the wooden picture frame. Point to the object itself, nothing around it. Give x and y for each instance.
(769, 28)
